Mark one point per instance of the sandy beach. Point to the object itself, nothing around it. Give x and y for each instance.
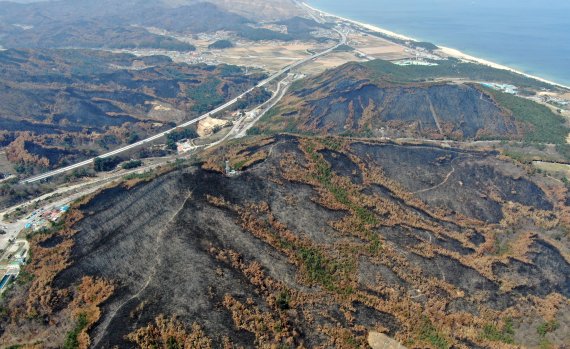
(445, 50)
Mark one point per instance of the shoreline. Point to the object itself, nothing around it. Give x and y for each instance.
(446, 50)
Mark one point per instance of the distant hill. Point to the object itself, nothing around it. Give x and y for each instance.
(258, 10)
(252, 9)
(221, 44)
(91, 34)
(358, 99)
(121, 24)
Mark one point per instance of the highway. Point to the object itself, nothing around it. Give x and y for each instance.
(193, 121)
(241, 126)
(282, 88)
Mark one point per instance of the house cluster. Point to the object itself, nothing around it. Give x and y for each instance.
(40, 218)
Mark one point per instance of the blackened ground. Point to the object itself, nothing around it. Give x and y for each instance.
(342, 165)
(154, 242)
(539, 276)
(348, 99)
(452, 179)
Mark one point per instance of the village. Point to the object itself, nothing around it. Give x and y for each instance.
(17, 252)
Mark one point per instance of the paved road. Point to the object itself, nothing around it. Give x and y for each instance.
(241, 126)
(283, 87)
(186, 124)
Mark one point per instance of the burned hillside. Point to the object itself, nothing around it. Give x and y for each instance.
(311, 242)
(358, 100)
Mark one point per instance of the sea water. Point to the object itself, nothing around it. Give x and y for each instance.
(530, 36)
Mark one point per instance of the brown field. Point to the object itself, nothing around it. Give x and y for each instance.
(273, 56)
(377, 47)
(332, 60)
(269, 56)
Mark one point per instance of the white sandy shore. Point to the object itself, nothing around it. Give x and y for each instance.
(445, 50)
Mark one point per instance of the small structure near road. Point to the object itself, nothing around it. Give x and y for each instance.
(230, 172)
(185, 146)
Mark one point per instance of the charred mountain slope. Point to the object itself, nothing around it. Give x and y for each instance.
(356, 99)
(74, 102)
(316, 242)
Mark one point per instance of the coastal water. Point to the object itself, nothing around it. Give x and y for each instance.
(528, 35)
